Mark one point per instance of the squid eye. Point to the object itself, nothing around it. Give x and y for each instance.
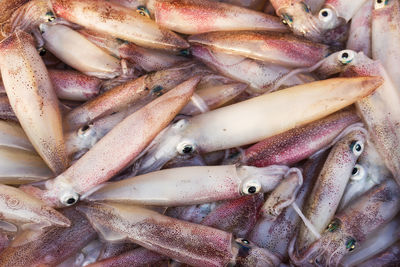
(42, 51)
(287, 19)
(358, 173)
(142, 10)
(186, 148)
(251, 187)
(333, 226)
(357, 147)
(346, 56)
(306, 7)
(184, 53)
(243, 242)
(85, 130)
(381, 3)
(50, 16)
(325, 15)
(157, 90)
(69, 199)
(351, 244)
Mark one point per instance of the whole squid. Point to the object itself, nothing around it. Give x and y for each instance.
(330, 185)
(118, 21)
(183, 241)
(351, 226)
(117, 149)
(270, 114)
(183, 16)
(33, 99)
(191, 185)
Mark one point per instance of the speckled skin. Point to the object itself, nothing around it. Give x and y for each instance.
(130, 93)
(133, 258)
(277, 48)
(388, 258)
(374, 209)
(198, 16)
(329, 188)
(276, 235)
(33, 99)
(299, 143)
(186, 242)
(53, 246)
(73, 85)
(118, 21)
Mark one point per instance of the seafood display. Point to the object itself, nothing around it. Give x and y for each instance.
(205, 133)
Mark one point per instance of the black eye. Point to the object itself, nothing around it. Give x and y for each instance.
(85, 128)
(142, 10)
(245, 241)
(345, 55)
(50, 16)
(324, 13)
(42, 51)
(357, 147)
(187, 149)
(185, 53)
(158, 90)
(354, 171)
(71, 201)
(252, 190)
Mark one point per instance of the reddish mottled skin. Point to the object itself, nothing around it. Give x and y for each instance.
(388, 258)
(186, 242)
(53, 246)
(300, 143)
(73, 85)
(237, 216)
(134, 258)
(287, 48)
(276, 235)
(374, 209)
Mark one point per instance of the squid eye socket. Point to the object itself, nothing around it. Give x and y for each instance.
(142, 10)
(50, 16)
(186, 148)
(333, 226)
(380, 4)
(251, 187)
(69, 199)
(306, 7)
(350, 244)
(357, 147)
(358, 173)
(346, 56)
(325, 15)
(85, 130)
(42, 51)
(287, 19)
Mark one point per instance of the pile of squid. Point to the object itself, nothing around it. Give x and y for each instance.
(199, 133)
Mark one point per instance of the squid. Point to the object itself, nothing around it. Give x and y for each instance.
(230, 126)
(146, 87)
(283, 195)
(260, 76)
(78, 52)
(385, 35)
(119, 22)
(33, 99)
(375, 243)
(378, 111)
(21, 211)
(359, 39)
(183, 16)
(18, 166)
(330, 185)
(276, 235)
(300, 143)
(116, 150)
(192, 185)
(276, 48)
(385, 259)
(182, 241)
(351, 226)
(52, 246)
